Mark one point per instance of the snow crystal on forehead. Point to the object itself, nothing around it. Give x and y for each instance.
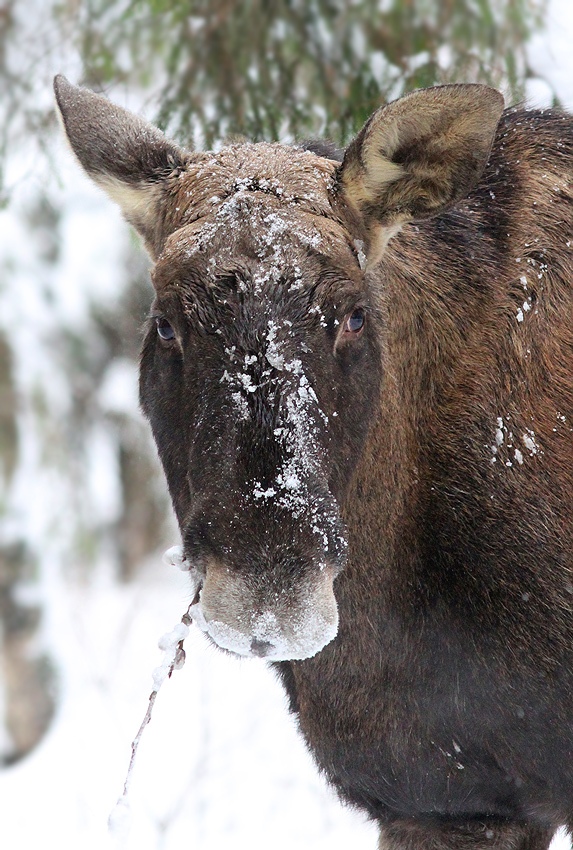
(285, 173)
(262, 198)
(263, 227)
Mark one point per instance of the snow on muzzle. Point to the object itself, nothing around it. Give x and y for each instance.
(277, 625)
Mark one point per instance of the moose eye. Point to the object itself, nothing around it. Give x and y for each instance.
(355, 322)
(164, 329)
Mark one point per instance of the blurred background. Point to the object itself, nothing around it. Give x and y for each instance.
(84, 515)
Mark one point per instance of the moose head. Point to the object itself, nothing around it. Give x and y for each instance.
(264, 355)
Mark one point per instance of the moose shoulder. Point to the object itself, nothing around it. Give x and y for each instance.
(359, 376)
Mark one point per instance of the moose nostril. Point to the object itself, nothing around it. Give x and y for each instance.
(261, 648)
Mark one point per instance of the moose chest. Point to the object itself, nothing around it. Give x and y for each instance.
(423, 728)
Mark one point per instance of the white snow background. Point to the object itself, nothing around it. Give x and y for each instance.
(221, 762)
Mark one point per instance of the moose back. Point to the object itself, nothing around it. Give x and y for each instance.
(358, 371)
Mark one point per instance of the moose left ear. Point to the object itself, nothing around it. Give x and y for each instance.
(129, 158)
(417, 156)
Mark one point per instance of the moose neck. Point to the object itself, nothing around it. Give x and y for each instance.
(432, 327)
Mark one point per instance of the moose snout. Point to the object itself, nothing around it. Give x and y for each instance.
(279, 624)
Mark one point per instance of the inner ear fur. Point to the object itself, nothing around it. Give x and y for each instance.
(128, 157)
(421, 154)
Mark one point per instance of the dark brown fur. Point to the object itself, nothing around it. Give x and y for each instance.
(472, 593)
(444, 705)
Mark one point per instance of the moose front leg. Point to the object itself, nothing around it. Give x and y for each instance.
(478, 835)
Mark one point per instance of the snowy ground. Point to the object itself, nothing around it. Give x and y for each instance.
(221, 763)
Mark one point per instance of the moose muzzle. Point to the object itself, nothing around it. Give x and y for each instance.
(279, 624)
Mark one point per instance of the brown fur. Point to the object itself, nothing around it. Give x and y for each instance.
(440, 438)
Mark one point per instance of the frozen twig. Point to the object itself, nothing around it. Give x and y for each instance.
(173, 659)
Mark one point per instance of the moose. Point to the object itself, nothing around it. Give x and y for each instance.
(358, 371)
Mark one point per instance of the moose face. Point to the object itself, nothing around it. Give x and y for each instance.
(258, 375)
(261, 370)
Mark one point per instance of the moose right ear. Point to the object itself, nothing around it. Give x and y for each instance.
(128, 157)
(418, 156)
